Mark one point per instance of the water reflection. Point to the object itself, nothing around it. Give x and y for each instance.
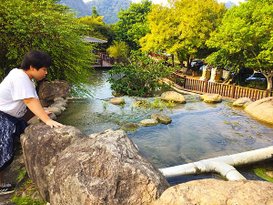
(198, 130)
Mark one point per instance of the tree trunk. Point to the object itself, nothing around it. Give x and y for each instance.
(269, 82)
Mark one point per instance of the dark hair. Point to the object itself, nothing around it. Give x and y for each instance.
(36, 59)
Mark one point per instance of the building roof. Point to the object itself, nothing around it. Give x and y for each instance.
(93, 40)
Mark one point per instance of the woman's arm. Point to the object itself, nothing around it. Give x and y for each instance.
(35, 106)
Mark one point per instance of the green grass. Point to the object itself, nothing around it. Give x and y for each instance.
(261, 172)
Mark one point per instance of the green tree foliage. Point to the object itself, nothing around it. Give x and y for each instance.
(182, 28)
(97, 28)
(119, 51)
(142, 77)
(245, 38)
(132, 24)
(47, 26)
(94, 12)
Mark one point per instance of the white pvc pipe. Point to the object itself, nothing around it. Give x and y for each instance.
(222, 165)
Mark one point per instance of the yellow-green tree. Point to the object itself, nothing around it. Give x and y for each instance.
(245, 38)
(97, 28)
(119, 51)
(182, 28)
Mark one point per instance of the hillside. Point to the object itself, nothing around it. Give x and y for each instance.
(78, 6)
(107, 8)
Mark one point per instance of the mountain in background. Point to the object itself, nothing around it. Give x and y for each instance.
(107, 8)
(78, 6)
(229, 4)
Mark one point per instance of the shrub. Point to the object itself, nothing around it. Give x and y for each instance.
(141, 77)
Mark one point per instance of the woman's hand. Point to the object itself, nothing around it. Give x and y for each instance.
(48, 112)
(51, 123)
(35, 106)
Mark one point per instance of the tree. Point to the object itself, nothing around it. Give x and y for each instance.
(141, 77)
(47, 26)
(108, 8)
(132, 24)
(97, 28)
(245, 38)
(94, 12)
(182, 28)
(119, 51)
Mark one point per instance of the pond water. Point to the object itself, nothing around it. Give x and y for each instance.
(198, 130)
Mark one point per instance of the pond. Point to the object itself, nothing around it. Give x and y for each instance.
(198, 130)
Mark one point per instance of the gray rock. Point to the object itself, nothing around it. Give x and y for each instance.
(173, 96)
(41, 146)
(262, 110)
(211, 98)
(34, 120)
(242, 102)
(105, 168)
(161, 118)
(148, 122)
(218, 192)
(48, 91)
(68, 167)
(130, 127)
(56, 110)
(117, 101)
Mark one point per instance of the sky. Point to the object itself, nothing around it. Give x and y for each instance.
(165, 1)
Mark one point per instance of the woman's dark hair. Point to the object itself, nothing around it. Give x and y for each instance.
(36, 59)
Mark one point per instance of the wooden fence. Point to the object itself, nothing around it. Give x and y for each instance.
(225, 90)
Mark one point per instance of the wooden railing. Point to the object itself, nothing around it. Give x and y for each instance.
(225, 90)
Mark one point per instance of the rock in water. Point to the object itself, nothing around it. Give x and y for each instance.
(211, 98)
(262, 110)
(173, 96)
(164, 119)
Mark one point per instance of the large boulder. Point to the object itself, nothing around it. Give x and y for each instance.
(69, 167)
(117, 101)
(105, 168)
(211, 98)
(164, 119)
(173, 96)
(148, 122)
(48, 91)
(41, 147)
(262, 110)
(218, 192)
(242, 102)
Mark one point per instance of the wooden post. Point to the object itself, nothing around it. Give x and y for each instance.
(184, 82)
(205, 86)
(233, 91)
(267, 93)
